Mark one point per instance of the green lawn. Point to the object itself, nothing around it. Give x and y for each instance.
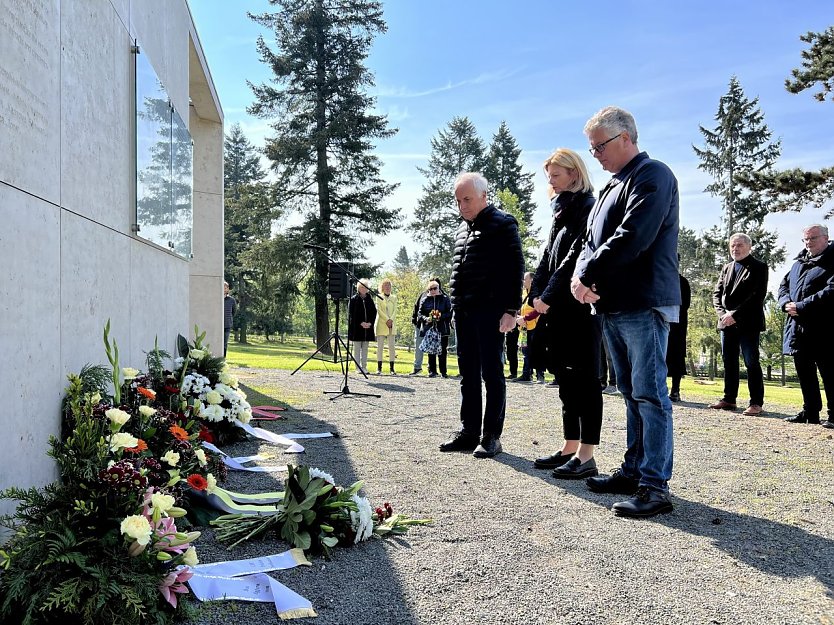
(261, 354)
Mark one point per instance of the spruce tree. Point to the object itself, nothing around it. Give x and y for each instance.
(454, 150)
(793, 189)
(739, 143)
(504, 172)
(242, 164)
(318, 106)
(402, 261)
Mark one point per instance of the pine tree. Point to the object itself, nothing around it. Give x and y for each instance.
(456, 149)
(324, 133)
(509, 202)
(740, 143)
(503, 171)
(793, 189)
(402, 261)
(242, 163)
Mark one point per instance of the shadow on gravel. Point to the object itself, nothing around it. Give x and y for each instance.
(771, 547)
(358, 585)
(393, 388)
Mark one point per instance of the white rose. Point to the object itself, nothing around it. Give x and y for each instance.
(129, 373)
(161, 502)
(213, 397)
(190, 557)
(147, 411)
(119, 417)
(121, 440)
(197, 354)
(212, 483)
(201, 457)
(171, 457)
(137, 528)
(245, 416)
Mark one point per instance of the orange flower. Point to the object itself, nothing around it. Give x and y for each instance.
(197, 481)
(140, 447)
(146, 392)
(178, 432)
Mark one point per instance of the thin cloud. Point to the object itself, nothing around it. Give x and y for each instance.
(481, 79)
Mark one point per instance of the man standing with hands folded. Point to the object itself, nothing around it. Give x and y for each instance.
(487, 268)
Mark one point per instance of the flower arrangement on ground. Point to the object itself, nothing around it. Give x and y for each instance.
(102, 545)
(317, 515)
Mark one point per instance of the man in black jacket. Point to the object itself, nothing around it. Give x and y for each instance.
(488, 267)
(807, 295)
(738, 300)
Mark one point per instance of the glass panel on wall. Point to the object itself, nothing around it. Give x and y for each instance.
(164, 165)
(182, 153)
(153, 155)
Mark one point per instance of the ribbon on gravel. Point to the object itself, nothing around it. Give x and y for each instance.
(265, 435)
(295, 436)
(246, 580)
(223, 500)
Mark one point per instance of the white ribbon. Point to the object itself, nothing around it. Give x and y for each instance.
(237, 463)
(295, 436)
(265, 435)
(246, 580)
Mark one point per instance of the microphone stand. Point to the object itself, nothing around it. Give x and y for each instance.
(338, 342)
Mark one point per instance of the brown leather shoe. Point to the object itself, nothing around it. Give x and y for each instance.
(753, 410)
(723, 405)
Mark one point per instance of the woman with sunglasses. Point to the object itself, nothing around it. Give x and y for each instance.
(436, 312)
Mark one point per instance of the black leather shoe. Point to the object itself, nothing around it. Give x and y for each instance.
(675, 396)
(460, 441)
(416, 372)
(828, 424)
(614, 483)
(804, 417)
(432, 375)
(551, 462)
(575, 469)
(444, 375)
(524, 378)
(488, 448)
(645, 503)
(512, 376)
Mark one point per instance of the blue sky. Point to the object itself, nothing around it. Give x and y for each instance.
(545, 67)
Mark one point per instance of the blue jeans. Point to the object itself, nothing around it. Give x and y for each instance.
(418, 353)
(480, 347)
(637, 343)
(733, 341)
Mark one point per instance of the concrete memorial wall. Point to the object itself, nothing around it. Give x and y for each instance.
(69, 255)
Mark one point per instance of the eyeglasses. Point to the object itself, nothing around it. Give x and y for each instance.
(809, 239)
(599, 148)
(434, 288)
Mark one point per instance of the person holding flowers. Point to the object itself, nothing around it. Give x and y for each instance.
(436, 312)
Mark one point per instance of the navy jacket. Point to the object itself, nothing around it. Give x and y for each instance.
(488, 264)
(809, 283)
(631, 251)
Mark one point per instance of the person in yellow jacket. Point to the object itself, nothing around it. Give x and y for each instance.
(386, 314)
(527, 320)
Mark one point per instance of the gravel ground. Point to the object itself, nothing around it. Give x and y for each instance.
(751, 539)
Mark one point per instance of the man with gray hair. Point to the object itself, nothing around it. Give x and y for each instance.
(487, 269)
(807, 295)
(738, 300)
(628, 270)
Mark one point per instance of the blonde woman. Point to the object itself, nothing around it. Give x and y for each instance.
(571, 332)
(386, 314)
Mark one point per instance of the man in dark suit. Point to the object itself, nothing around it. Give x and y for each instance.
(739, 302)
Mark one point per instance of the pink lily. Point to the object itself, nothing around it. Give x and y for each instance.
(173, 583)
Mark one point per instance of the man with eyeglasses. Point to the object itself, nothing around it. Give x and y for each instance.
(628, 270)
(807, 295)
(487, 269)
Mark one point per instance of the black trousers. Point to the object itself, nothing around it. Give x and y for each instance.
(581, 396)
(807, 361)
(479, 357)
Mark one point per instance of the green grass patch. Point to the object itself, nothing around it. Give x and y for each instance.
(261, 354)
(712, 390)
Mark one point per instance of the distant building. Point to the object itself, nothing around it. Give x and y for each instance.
(111, 201)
